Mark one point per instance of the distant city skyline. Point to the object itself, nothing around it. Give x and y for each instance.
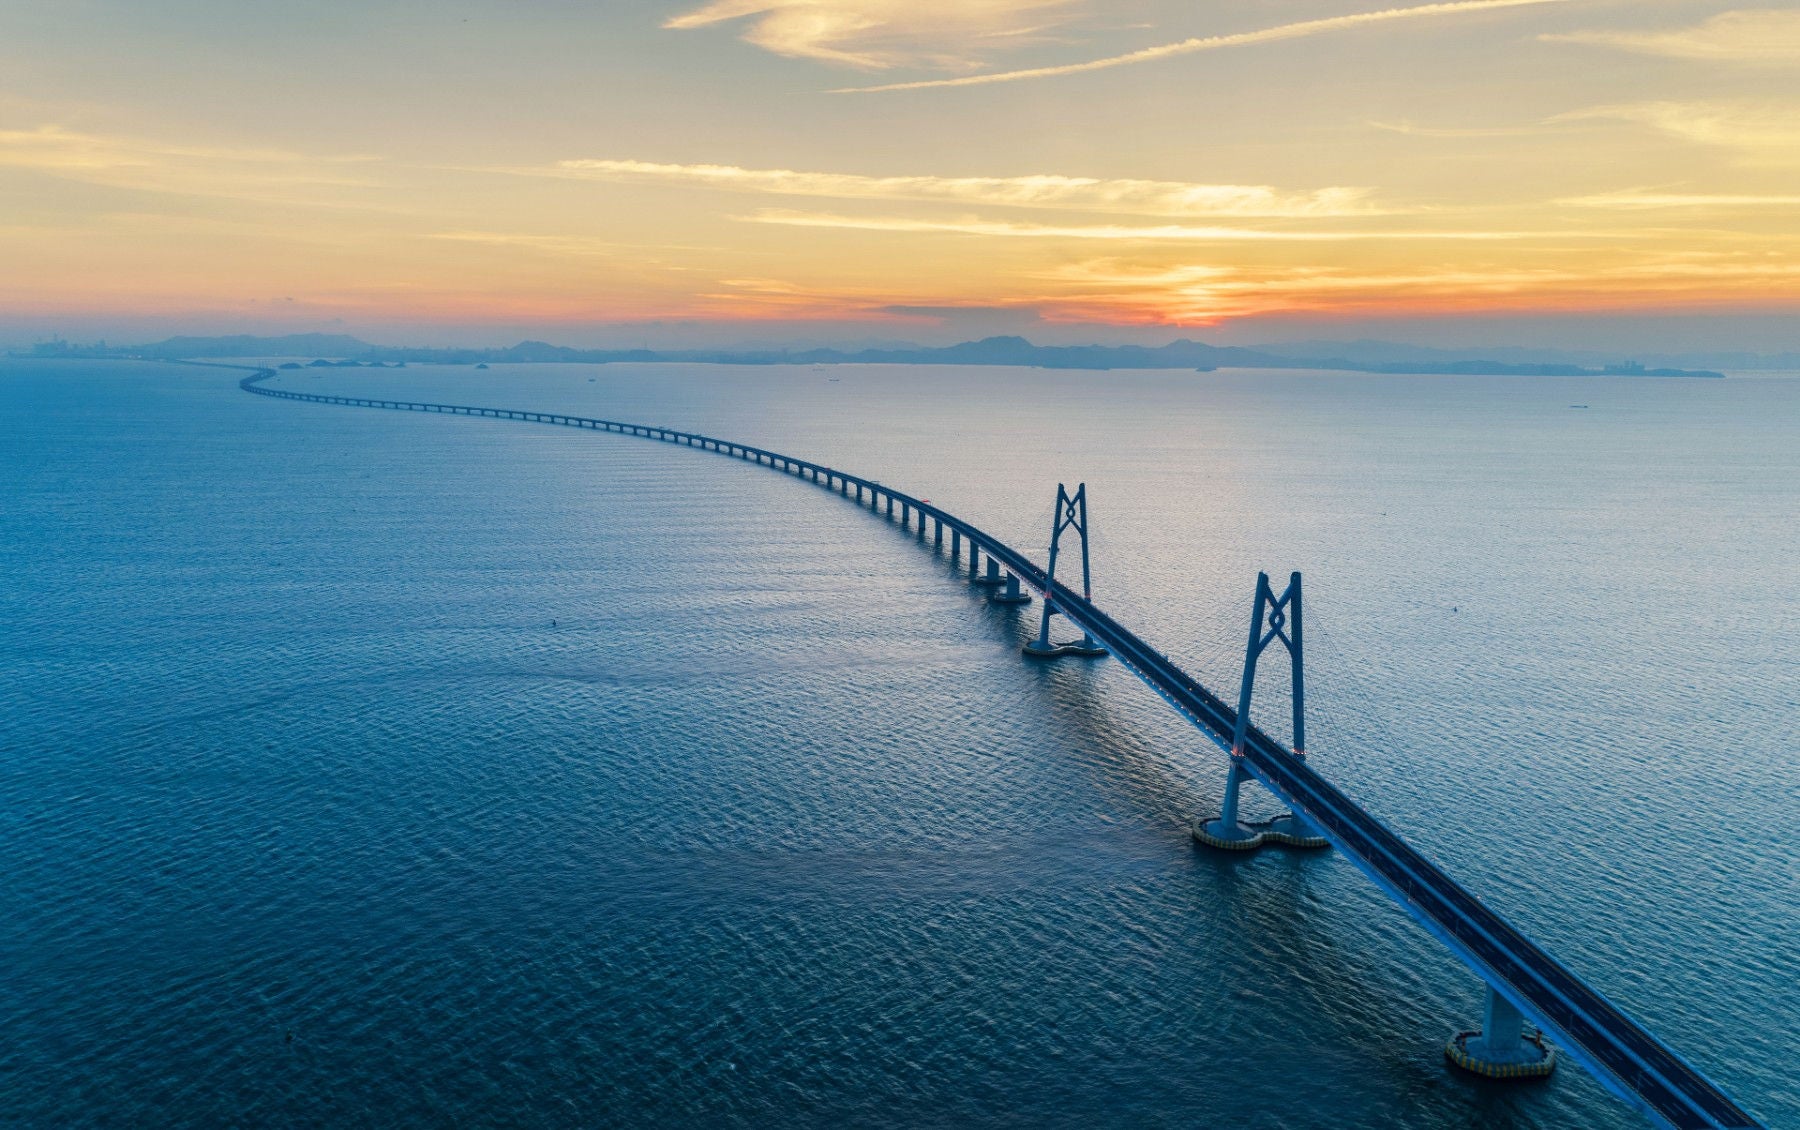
(1577, 174)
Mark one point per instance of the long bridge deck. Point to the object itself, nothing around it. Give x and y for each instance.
(1620, 1052)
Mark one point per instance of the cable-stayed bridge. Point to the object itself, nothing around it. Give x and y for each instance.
(1524, 982)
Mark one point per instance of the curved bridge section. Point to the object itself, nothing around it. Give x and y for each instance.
(1621, 1053)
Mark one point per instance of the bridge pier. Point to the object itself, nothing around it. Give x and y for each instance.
(1227, 833)
(955, 546)
(1071, 511)
(1294, 830)
(1500, 1049)
(1011, 594)
(989, 578)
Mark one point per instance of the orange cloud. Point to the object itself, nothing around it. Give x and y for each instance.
(1078, 194)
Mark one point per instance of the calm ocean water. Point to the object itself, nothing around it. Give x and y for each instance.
(368, 768)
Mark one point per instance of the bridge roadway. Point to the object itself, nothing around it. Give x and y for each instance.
(1622, 1054)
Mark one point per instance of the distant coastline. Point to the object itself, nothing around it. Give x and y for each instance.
(343, 351)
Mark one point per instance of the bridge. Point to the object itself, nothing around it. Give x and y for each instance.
(1523, 981)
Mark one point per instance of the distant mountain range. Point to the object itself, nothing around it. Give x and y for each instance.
(1366, 357)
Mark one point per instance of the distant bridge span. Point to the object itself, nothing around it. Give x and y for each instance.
(1620, 1052)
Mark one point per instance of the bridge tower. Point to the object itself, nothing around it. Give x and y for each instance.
(1071, 512)
(1273, 618)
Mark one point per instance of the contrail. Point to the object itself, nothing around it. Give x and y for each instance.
(1208, 43)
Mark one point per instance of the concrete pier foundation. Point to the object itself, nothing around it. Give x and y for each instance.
(1227, 832)
(1011, 594)
(1501, 1049)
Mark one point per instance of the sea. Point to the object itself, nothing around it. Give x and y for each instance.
(365, 768)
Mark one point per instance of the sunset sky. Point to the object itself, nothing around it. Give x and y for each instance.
(902, 169)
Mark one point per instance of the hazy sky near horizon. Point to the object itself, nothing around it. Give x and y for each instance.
(896, 164)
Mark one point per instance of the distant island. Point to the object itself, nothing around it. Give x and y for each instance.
(343, 351)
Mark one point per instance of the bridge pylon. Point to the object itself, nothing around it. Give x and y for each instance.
(1071, 513)
(1274, 618)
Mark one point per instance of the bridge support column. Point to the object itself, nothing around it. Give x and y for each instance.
(991, 577)
(1273, 618)
(937, 539)
(1227, 832)
(1071, 511)
(1011, 594)
(1501, 1049)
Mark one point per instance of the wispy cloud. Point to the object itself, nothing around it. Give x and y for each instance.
(264, 175)
(1633, 199)
(1411, 129)
(553, 244)
(972, 225)
(1763, 133)
(1750, 35)
(1079, 194)
(877, 34)
(779, 298)
(1275, 34)
(581, 247)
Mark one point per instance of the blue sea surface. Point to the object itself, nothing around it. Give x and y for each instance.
(369, 768)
